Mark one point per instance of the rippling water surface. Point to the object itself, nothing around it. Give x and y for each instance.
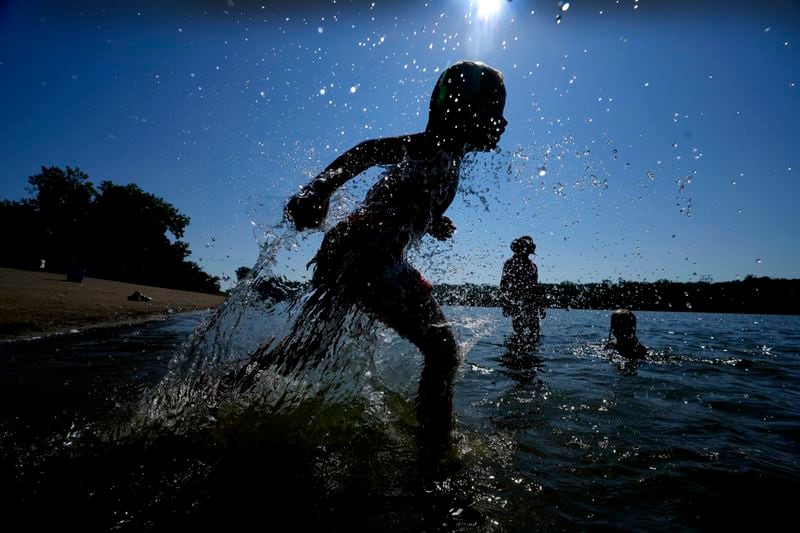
(705, 434)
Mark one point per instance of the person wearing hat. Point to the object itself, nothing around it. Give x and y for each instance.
(519, 289)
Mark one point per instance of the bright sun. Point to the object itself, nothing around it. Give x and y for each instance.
(486, 9)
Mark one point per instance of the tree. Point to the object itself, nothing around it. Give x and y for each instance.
(242, 272)
(130, 235)
(116, 232)
(23, 234)
(62, 203)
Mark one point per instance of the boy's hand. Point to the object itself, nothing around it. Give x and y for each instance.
(307, 209)
(442, 228)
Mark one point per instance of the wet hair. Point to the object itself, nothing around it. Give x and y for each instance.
(623, 321)
(464, 90)
(523, 245)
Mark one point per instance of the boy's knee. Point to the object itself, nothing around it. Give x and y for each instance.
(440, 348)
(440, 335)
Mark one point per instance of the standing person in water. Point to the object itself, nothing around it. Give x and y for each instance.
(519, 290)
(362, 260)
(623, 328)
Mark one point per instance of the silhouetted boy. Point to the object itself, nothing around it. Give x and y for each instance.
(362, 260)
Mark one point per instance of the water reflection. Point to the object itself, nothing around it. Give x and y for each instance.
(521, 360)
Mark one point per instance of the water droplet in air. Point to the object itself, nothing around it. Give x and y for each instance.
(558, 19)
(322, 92)
(564, 6)
(759, 261)
(353, 89)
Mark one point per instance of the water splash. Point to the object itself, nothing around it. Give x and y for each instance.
(273, 350)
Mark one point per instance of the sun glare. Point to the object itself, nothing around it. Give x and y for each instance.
(486, 9)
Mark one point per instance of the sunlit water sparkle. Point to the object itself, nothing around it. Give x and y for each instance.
(704, 434)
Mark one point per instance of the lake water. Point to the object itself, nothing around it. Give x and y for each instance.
(703, 435)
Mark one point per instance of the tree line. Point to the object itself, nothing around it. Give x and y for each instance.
(750, 295)
(758, 295)
(117, 232)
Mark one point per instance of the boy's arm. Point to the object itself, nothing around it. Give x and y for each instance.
(308, 208)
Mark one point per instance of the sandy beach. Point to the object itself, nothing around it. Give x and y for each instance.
(43, 303)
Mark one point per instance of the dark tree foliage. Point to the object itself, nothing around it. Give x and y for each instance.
(115, 232)
(751, 295)
(61, 206)
(242, 272)
(23, 234)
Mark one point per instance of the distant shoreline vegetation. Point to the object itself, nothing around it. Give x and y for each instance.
(114, 232)
(758, 295)
(751, 295)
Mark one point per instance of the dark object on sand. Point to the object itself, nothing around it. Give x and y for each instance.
(139, 297)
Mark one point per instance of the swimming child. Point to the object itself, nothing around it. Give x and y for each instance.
(362, 260)
(519, 289)
(623, 328)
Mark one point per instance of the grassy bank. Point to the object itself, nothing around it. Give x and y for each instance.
(40, 303)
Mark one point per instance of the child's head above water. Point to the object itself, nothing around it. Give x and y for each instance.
(623, 324)
(467, 105)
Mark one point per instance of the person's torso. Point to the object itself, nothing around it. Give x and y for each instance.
(520, 279)
(412, 194)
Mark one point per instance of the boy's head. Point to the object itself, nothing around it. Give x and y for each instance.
(623, 323)
(467, 105)
(523, 245)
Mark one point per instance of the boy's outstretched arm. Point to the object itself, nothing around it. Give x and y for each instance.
(308, 208)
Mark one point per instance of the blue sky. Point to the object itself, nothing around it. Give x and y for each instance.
(224, 108)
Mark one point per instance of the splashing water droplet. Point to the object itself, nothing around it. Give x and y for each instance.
(759, 261)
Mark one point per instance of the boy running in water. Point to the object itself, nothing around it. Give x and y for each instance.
(363, 259)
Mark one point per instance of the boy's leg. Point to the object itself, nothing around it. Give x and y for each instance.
(403, 300)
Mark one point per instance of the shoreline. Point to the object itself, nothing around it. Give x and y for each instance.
(88, 329)
(35, 305)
